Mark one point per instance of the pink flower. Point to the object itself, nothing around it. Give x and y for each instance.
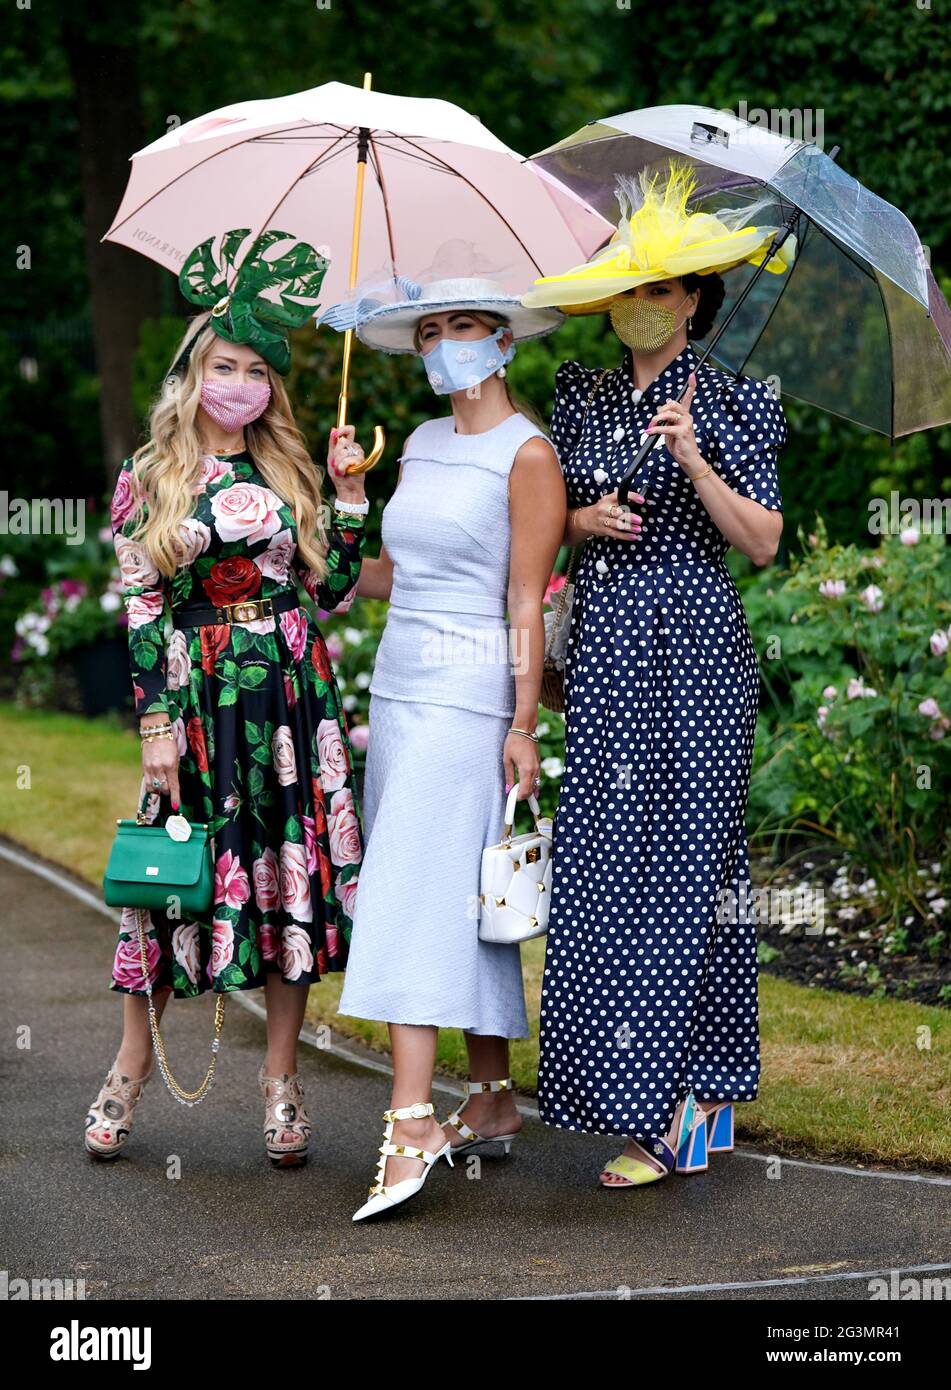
(297, 958)
(360, 736)
(144, 608)
(294, 627)
(930, 708)
(332, 755)
(940, 727)
(910, 535)
(212, 471)
(295, 882)
(194, 538)
(821, 715)
(266, 887)
(246, 512)
(832, 588)
(939, 642)
(334, 647)
(222, 944)
(269, 940)
(231, 882)
(185, 949)
(829, 693)
(873, 598)
(136, 565)
(343, 828)
(310, 843)
(275, 562)
(127, 967)
(858, 690)
(282, 754)
(347, 894)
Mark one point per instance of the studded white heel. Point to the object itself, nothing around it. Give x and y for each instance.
(474, 1140)
(383, 1198)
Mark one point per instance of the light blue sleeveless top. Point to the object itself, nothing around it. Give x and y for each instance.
(448, 533)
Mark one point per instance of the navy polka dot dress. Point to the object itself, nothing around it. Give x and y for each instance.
(650, 985)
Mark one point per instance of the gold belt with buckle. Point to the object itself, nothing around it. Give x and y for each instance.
(247, 611)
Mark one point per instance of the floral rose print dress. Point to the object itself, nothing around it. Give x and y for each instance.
(265, 756)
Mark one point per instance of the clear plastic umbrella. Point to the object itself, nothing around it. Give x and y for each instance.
(858, 326)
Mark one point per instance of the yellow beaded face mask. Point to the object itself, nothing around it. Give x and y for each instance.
(641, 324)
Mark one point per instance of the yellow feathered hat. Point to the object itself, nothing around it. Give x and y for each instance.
(658, 239)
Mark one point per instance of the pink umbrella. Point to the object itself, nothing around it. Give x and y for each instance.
(297, 163)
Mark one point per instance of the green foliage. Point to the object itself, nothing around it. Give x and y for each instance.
(852, 748)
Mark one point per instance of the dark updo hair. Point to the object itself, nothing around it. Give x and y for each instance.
(712, 292)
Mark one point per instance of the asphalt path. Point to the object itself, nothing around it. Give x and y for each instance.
(193, 1210)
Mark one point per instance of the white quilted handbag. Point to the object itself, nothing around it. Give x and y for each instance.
(516, 880)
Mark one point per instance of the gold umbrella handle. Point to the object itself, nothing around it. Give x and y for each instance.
(379, 438)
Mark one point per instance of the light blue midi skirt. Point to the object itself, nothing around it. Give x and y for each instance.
(433, 798)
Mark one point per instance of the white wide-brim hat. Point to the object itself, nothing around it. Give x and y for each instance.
(390, 327)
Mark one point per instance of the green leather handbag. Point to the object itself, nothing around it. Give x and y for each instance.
(147, 867)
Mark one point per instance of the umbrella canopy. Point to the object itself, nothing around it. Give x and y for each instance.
(858, 326)
(290, 163)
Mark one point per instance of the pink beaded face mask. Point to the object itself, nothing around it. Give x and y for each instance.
(232, 405)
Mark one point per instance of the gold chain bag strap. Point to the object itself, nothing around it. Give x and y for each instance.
(181, 1095)
(552, 694)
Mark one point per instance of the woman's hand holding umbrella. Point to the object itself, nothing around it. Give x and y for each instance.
(675, 423)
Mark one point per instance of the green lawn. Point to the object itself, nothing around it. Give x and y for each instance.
(844, 1077)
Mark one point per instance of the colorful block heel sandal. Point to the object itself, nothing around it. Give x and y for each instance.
(683, 1148)
(287, 1129)
(109, 1121)
(720, 1128)
(474, 1140)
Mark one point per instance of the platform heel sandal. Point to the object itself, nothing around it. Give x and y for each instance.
(109, 1121)
(720, 1128)
(683, 1149)
(383, 1198)
(474, 1140)
(287, 1129)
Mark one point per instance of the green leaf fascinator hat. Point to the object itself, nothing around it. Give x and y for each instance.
(266, 298)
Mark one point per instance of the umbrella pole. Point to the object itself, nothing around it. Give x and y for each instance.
(788, 226)
(379, 438)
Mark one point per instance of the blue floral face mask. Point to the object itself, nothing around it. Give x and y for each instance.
(457, 364)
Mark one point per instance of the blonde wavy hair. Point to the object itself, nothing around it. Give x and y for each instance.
(167, 468)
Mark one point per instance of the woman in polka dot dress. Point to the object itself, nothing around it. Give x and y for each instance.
(649, 1020)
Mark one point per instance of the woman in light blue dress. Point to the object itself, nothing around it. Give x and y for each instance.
(472, 530)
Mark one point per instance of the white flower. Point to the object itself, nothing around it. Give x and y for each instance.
(929, 708)
(832, 588)
(362, 679)
(846, 914)
(857, 690)
(9, 566)
(937, 907)
(553, 767)
(829, 693)
(353, 635)
(873, 598)
(909, 536)
(40, 644)
(349, 702)
(109, 601)
(939, 642)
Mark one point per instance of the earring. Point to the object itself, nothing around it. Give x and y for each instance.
(690, 325)
(501, 372)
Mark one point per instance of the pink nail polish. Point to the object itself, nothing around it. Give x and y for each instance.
(508, 788)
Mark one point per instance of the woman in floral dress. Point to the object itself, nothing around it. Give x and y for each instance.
(257, 742)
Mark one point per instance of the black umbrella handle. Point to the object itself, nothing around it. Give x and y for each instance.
(624, 486)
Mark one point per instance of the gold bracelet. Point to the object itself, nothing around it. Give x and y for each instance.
(696, 479)
(513, 730)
